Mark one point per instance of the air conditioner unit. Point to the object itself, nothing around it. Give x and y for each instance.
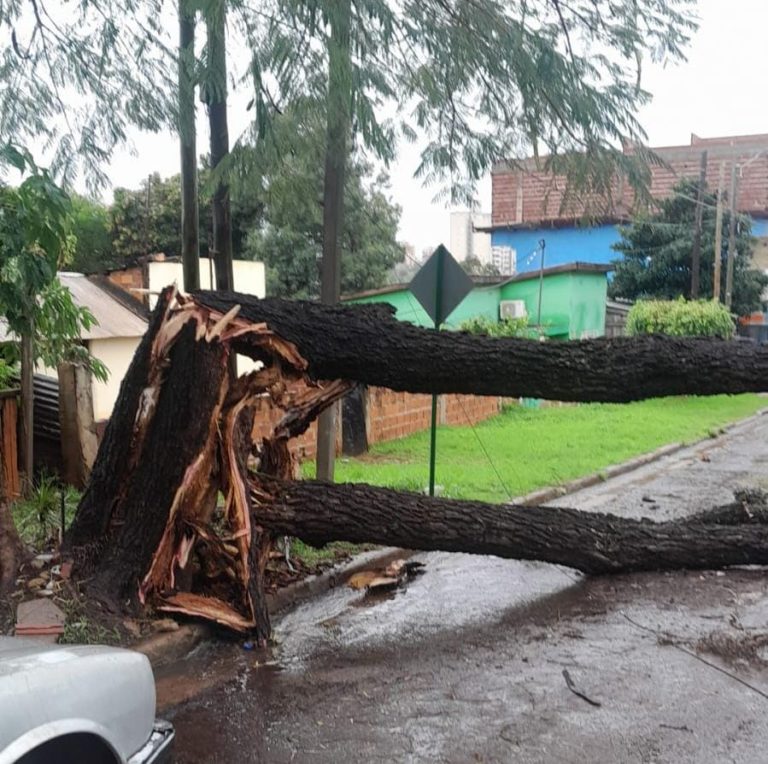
(512, 309)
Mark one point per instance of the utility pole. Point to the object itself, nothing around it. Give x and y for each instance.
(542, 245)
(338, 128)
(731, 238)
(717, 278)
(696, 254)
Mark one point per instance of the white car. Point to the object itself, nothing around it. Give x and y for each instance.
(84, 704)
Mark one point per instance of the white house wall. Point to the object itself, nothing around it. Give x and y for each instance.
(116, 354)
(250, 277)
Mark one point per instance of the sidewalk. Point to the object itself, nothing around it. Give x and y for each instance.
(685, 482)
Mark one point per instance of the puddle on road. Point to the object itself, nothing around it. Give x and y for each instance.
(455, 591)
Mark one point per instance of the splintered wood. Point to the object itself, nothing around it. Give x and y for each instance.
(197, 551)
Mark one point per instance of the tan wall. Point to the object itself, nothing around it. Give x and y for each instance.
(116, 354)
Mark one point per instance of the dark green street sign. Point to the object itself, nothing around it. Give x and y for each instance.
(440, 285)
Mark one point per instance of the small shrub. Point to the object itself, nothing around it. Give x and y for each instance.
(38, 517)
(506, 327)
(680, 318)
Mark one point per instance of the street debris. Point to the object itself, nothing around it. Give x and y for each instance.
(572, 687)
(396, 574)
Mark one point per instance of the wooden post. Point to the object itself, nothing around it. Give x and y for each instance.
(731, 238)
(27, 408)
(79, 443)
(717, 278)
(696, 253)
(339, 96)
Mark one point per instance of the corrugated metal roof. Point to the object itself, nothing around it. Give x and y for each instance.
(113, 318)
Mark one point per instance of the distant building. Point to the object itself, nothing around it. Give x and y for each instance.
(467, 241)
(528, 204)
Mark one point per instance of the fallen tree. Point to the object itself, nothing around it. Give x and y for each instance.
(595, 543)
(365, 343)
(183, 505)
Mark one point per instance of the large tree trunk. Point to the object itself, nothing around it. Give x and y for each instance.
(339, 101)
(216, 93)
(366, 344)
(736, 534)
(190, 225)
(182, 505)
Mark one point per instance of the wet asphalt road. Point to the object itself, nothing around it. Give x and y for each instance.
(466, 664)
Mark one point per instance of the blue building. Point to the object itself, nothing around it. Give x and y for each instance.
(529, 206)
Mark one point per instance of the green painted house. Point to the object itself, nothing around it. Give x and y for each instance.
(573, 300)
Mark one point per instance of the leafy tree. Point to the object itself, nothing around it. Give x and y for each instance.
(78, 76)
(657, 251)
(35, 240)
(146, 221)
(91, 229)
(291, 239)
(474, 267)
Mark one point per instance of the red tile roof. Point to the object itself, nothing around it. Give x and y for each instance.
(524, 197)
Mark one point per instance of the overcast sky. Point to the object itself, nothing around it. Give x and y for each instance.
(720, 90)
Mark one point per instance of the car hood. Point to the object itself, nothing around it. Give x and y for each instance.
(104, 689)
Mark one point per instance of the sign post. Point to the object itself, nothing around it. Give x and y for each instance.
(439, 286)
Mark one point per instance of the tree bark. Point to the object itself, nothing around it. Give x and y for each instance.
(11, 548)
(190, 225)
(183, 505)
(216, 98)
(338, 127)
(366, 344)
(590, 542)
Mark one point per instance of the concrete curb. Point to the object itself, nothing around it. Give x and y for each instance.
(167, 647)
(543, 495)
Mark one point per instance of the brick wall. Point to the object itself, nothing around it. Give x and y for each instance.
(390, 415)
(129, 278)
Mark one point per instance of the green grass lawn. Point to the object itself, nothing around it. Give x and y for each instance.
(533, 448)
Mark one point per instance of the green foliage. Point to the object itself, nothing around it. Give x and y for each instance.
(506, 327)
(484, 80)
(147, 220)
(534, 448)
(38, 517)
(77, 76)
(474, 267)
(290, 241)
(35, 240)
(8, 374)
(91, 229)
(657, 251)
(681, 318)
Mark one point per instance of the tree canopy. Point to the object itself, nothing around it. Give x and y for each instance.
(35, 241)
(290, 241)
(657, 249)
